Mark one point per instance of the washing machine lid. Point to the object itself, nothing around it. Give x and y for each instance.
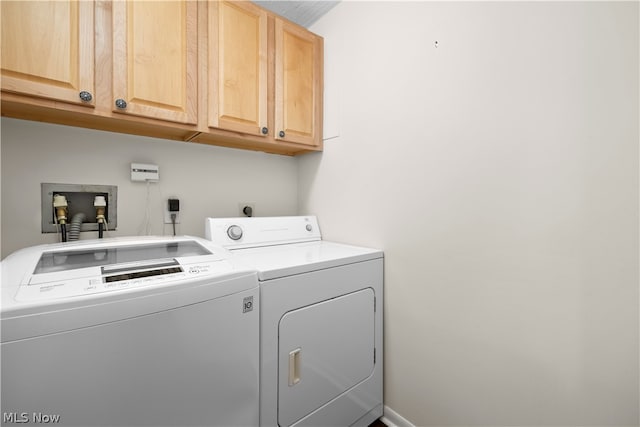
(63, 272)
(125, 256)
(59, 287)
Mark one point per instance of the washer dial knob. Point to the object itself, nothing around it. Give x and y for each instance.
(234, 232)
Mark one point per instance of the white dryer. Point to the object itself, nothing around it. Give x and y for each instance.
(129, 332)
(321, 356)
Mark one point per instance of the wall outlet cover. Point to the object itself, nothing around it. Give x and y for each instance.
(243, 205)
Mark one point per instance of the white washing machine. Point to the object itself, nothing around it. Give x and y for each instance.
(129, 332)
(321, 358)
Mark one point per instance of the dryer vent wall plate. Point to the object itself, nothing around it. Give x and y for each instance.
(145, 172)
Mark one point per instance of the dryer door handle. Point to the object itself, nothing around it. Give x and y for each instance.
(294, 366)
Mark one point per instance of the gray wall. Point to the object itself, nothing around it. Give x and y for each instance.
(209, 181)
(499, 173)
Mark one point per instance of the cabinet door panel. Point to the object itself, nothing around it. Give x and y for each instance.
(47, 49)
(298, 84)
(237, 67)
(155, 59)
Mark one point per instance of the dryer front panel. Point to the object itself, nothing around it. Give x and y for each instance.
(324, 350)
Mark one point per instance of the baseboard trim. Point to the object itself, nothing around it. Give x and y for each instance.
(392, 419)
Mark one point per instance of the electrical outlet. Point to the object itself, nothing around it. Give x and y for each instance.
(172, 207)
(250, 211)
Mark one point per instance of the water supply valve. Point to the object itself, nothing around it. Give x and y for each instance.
(60, 205)
(100, 203)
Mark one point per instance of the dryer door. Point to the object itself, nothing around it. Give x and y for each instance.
(325, 349)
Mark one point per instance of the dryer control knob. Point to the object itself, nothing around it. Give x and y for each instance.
(234, 232)
(309, 227)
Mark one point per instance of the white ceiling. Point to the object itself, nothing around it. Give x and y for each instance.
(302, 12)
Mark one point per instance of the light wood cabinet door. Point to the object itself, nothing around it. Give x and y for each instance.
(48, 49)
(155, 54)
(237, 71)
(298, 84)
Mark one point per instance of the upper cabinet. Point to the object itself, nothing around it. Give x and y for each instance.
(48, 49)
(298, 84)
(264, 78)
(155, 59)
(237, 67)
(214, 72)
